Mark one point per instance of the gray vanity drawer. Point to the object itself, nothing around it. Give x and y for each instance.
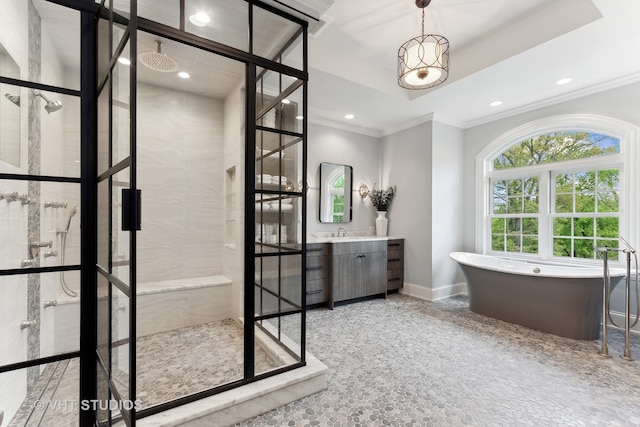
(317, 249)
(317, 291)
(318, 267)
(365, 246)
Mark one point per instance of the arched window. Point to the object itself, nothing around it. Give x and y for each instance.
(555, 189)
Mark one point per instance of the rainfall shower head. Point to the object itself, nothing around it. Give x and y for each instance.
(158, 61)
(51, 106)
(13, 98)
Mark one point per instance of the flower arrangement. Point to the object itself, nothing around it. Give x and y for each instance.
(381, 199)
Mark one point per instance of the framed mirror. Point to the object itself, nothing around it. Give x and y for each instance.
(9, 111)
(335, 193)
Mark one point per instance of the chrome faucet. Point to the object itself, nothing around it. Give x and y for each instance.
(344, 232)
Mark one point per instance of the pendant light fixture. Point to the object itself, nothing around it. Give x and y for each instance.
(423, 61)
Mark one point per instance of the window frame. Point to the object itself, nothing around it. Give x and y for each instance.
(626, 161)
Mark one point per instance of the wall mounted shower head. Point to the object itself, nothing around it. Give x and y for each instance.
(13, 98)
(51, 106)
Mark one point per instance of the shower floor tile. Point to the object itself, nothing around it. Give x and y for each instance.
(170, 365)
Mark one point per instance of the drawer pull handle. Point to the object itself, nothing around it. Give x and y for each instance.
(394, 259)
(394, 244)
(314, 250)
(314, 268)
(317, 291)
(395, 279)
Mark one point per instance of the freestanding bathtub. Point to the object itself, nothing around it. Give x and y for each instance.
(558, 299)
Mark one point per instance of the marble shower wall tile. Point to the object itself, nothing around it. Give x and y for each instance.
(181, 176)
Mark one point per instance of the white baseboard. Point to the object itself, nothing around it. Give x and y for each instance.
(429, 294)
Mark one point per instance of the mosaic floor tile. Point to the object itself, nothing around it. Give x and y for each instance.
(406, 362)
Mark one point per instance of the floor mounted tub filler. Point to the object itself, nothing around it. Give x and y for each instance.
(559, 299)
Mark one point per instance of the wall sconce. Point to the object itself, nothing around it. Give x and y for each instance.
(364, 191)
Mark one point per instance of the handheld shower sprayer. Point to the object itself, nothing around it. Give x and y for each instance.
(71, 214)
(51, 106)
(63, 245)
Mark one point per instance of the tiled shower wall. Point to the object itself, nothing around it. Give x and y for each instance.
(181, 175)
(24, 36)
(33, 289)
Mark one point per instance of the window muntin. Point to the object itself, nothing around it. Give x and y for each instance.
(586, 212)
(552, 212)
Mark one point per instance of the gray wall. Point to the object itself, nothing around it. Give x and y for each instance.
(338, 146)
(425, 162)
(447, 200)
(406, 163)
(426, 211)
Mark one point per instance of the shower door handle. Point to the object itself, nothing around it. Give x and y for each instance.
(131, 208)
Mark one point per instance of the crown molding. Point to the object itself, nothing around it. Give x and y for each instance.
(349, 128)
(579, 93)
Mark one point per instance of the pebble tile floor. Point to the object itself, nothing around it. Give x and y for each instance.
(170, 364)
(407, 362)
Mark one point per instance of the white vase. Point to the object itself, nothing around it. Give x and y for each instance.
(381, 224)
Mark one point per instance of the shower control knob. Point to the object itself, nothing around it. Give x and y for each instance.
(27, 324)
(27, 262)
(42, 244)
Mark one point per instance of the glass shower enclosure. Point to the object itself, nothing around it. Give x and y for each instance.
(152, 195)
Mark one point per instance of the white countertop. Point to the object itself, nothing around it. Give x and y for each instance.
(348, 238)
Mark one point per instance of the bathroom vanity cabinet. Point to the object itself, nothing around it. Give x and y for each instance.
(395, 264)
(358, 269)
(340, 272)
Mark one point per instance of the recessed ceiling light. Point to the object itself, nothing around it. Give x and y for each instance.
(495, 103)
(299, 117)
(563, 81)
(124, 61)
(286, 101)
(199, 19)
(184, 75)
(349, 116)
